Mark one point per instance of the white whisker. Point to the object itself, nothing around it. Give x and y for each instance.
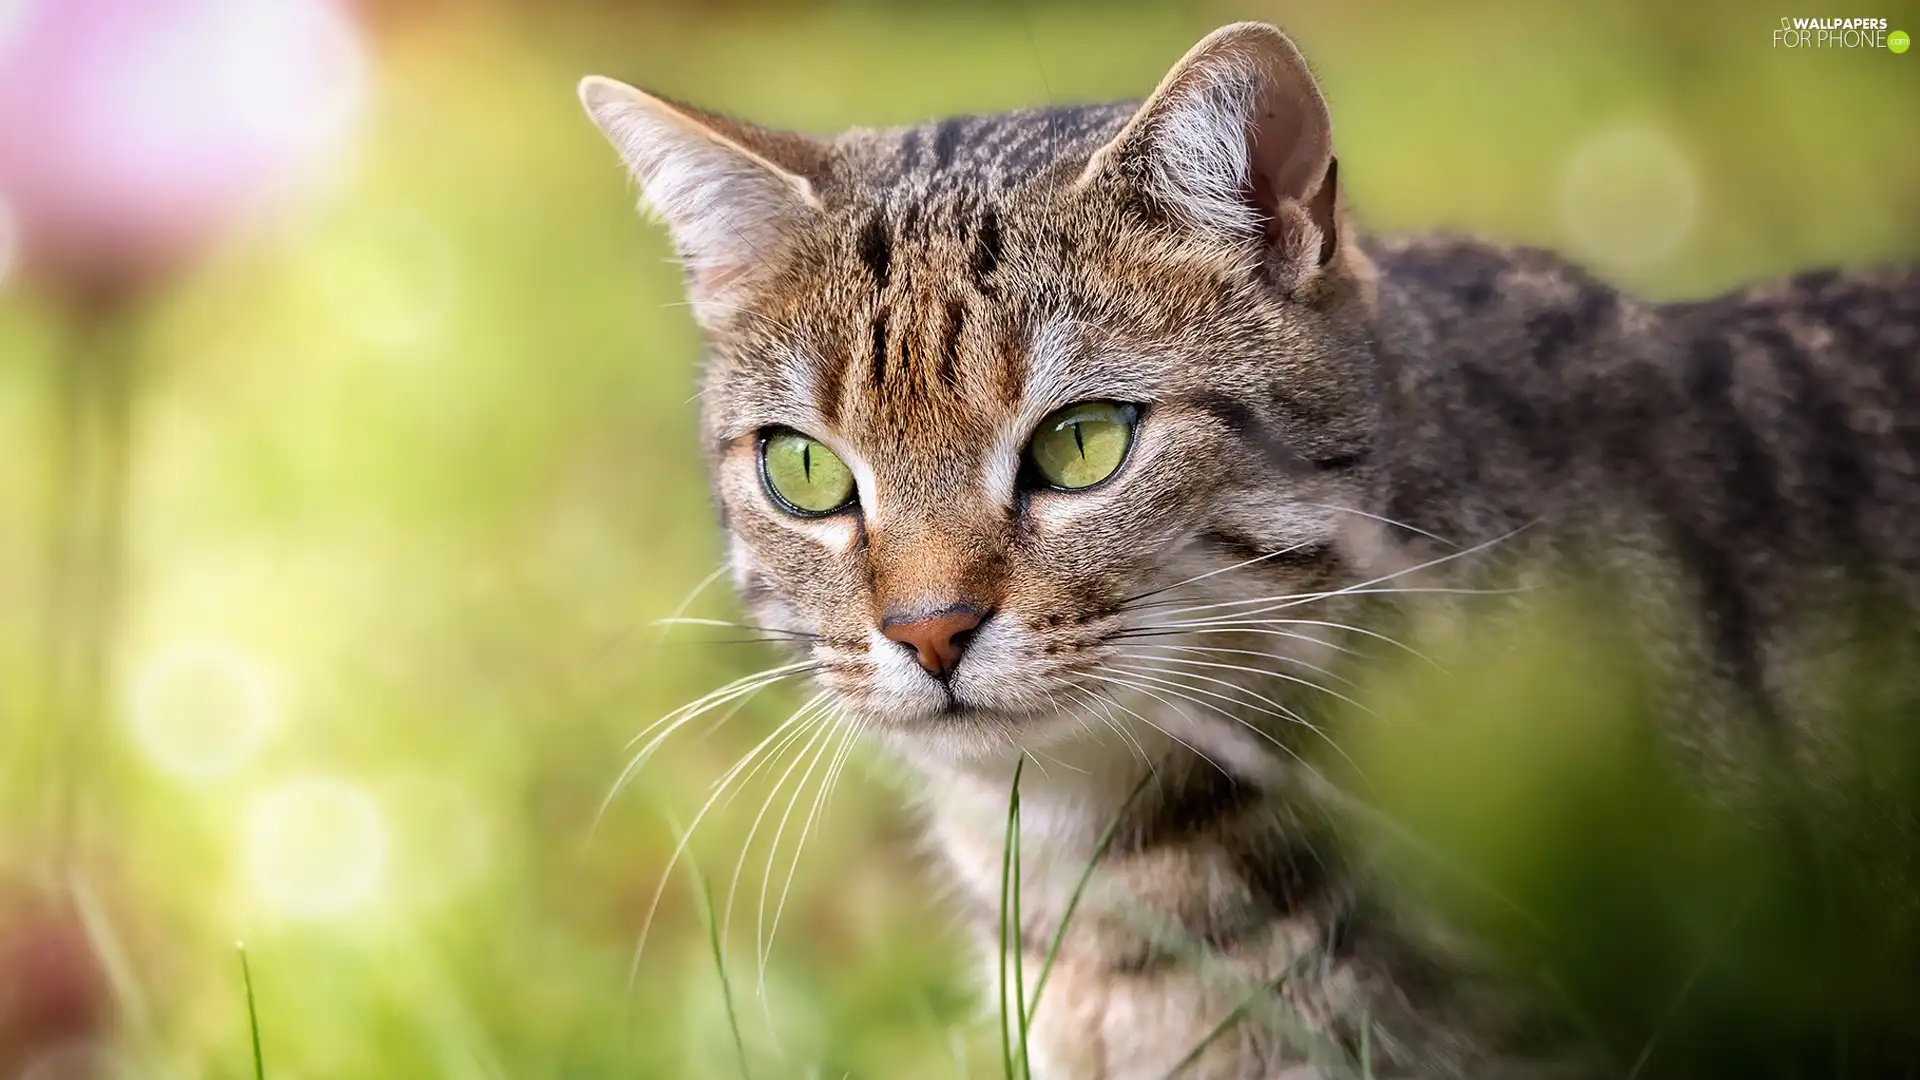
(813, 729)
(1415, 529)
(820, 800)
(1367, 586)
(705, 582)
(1093, 699)
(1149, 691)
(1186, 693)
(719, 789)
(1282, 601)
(773, 674)
(737, 692)
(1221, 651)
(1277, 710)
(773, 848)
(678, 620)
(1265, 674)
(1130, 601)
(1261, 626)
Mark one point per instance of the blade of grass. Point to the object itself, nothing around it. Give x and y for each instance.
(1019, 936)
(1006, 898)
(1086, 876)
(1239, 1013)
(720, 965)
(253, 1013)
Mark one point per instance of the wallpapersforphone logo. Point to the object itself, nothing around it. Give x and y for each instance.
(1839, 34)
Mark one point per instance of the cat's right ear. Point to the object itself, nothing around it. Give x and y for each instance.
(729, 193)
(1236, 142)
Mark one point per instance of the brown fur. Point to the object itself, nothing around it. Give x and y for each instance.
(1322, 409)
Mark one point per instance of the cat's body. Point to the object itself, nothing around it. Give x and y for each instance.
(1789, 411)
(1312, 414)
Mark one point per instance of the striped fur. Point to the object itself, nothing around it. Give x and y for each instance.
(919, 298)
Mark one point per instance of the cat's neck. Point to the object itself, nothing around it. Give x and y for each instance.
(1070, 790)
(1074, 790)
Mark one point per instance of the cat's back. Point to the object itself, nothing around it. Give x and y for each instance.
(1803, 398)
(1744, 457)
(1787, 406)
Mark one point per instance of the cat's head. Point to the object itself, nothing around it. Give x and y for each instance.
(977, 386)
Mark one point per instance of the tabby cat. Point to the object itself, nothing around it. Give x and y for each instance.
(1072, 433)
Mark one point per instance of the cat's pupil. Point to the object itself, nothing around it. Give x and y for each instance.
(806, 462)
(1079, 441)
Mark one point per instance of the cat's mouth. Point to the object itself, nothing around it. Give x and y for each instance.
(955, 709)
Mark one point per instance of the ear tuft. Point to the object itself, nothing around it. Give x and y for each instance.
(728, 205)
(1236, 141)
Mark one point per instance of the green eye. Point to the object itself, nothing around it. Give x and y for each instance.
(1081, 445)
(803, 476)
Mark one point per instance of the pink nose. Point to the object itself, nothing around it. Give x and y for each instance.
(937, 640)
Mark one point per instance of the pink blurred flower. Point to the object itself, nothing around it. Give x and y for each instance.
(53, 989)
(135, 133)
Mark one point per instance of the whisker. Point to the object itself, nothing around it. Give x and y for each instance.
(812, 730)
(1261, 672)
(775, 673)
(1093, 699)
(1149, 691)
(1282, 601)
(719, 789)
(849, 735)
(1368, 584)
(678, 718)
(1129, 601)
(1222, 651)
(704, 642)
(827, 729)
(1156, 630)
(1260, 627)
(1283, 712)
(1415, 529)
(705, 582)
(730, 625)
(1083, 718)
(1185, 693)
(1164, 675)
(738, 692)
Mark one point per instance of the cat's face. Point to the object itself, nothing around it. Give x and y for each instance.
(976, 389)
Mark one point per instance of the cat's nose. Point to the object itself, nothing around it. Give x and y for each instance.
(937, 640)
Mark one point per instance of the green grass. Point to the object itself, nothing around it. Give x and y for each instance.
(1235, 1016)
(720, 969)
(1100, 849)
(253, 1012)
(1013, 1012)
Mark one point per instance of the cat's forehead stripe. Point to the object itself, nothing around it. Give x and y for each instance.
(930, 262)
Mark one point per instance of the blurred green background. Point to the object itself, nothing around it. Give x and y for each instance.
(413, 474)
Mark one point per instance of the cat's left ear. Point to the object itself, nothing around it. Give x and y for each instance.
(730, 193)
(1237, 142)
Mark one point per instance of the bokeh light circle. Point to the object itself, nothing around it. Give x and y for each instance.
(1629, 196)
(202, 710)
(316, 847)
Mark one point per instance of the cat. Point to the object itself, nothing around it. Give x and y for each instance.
(1015, 422)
